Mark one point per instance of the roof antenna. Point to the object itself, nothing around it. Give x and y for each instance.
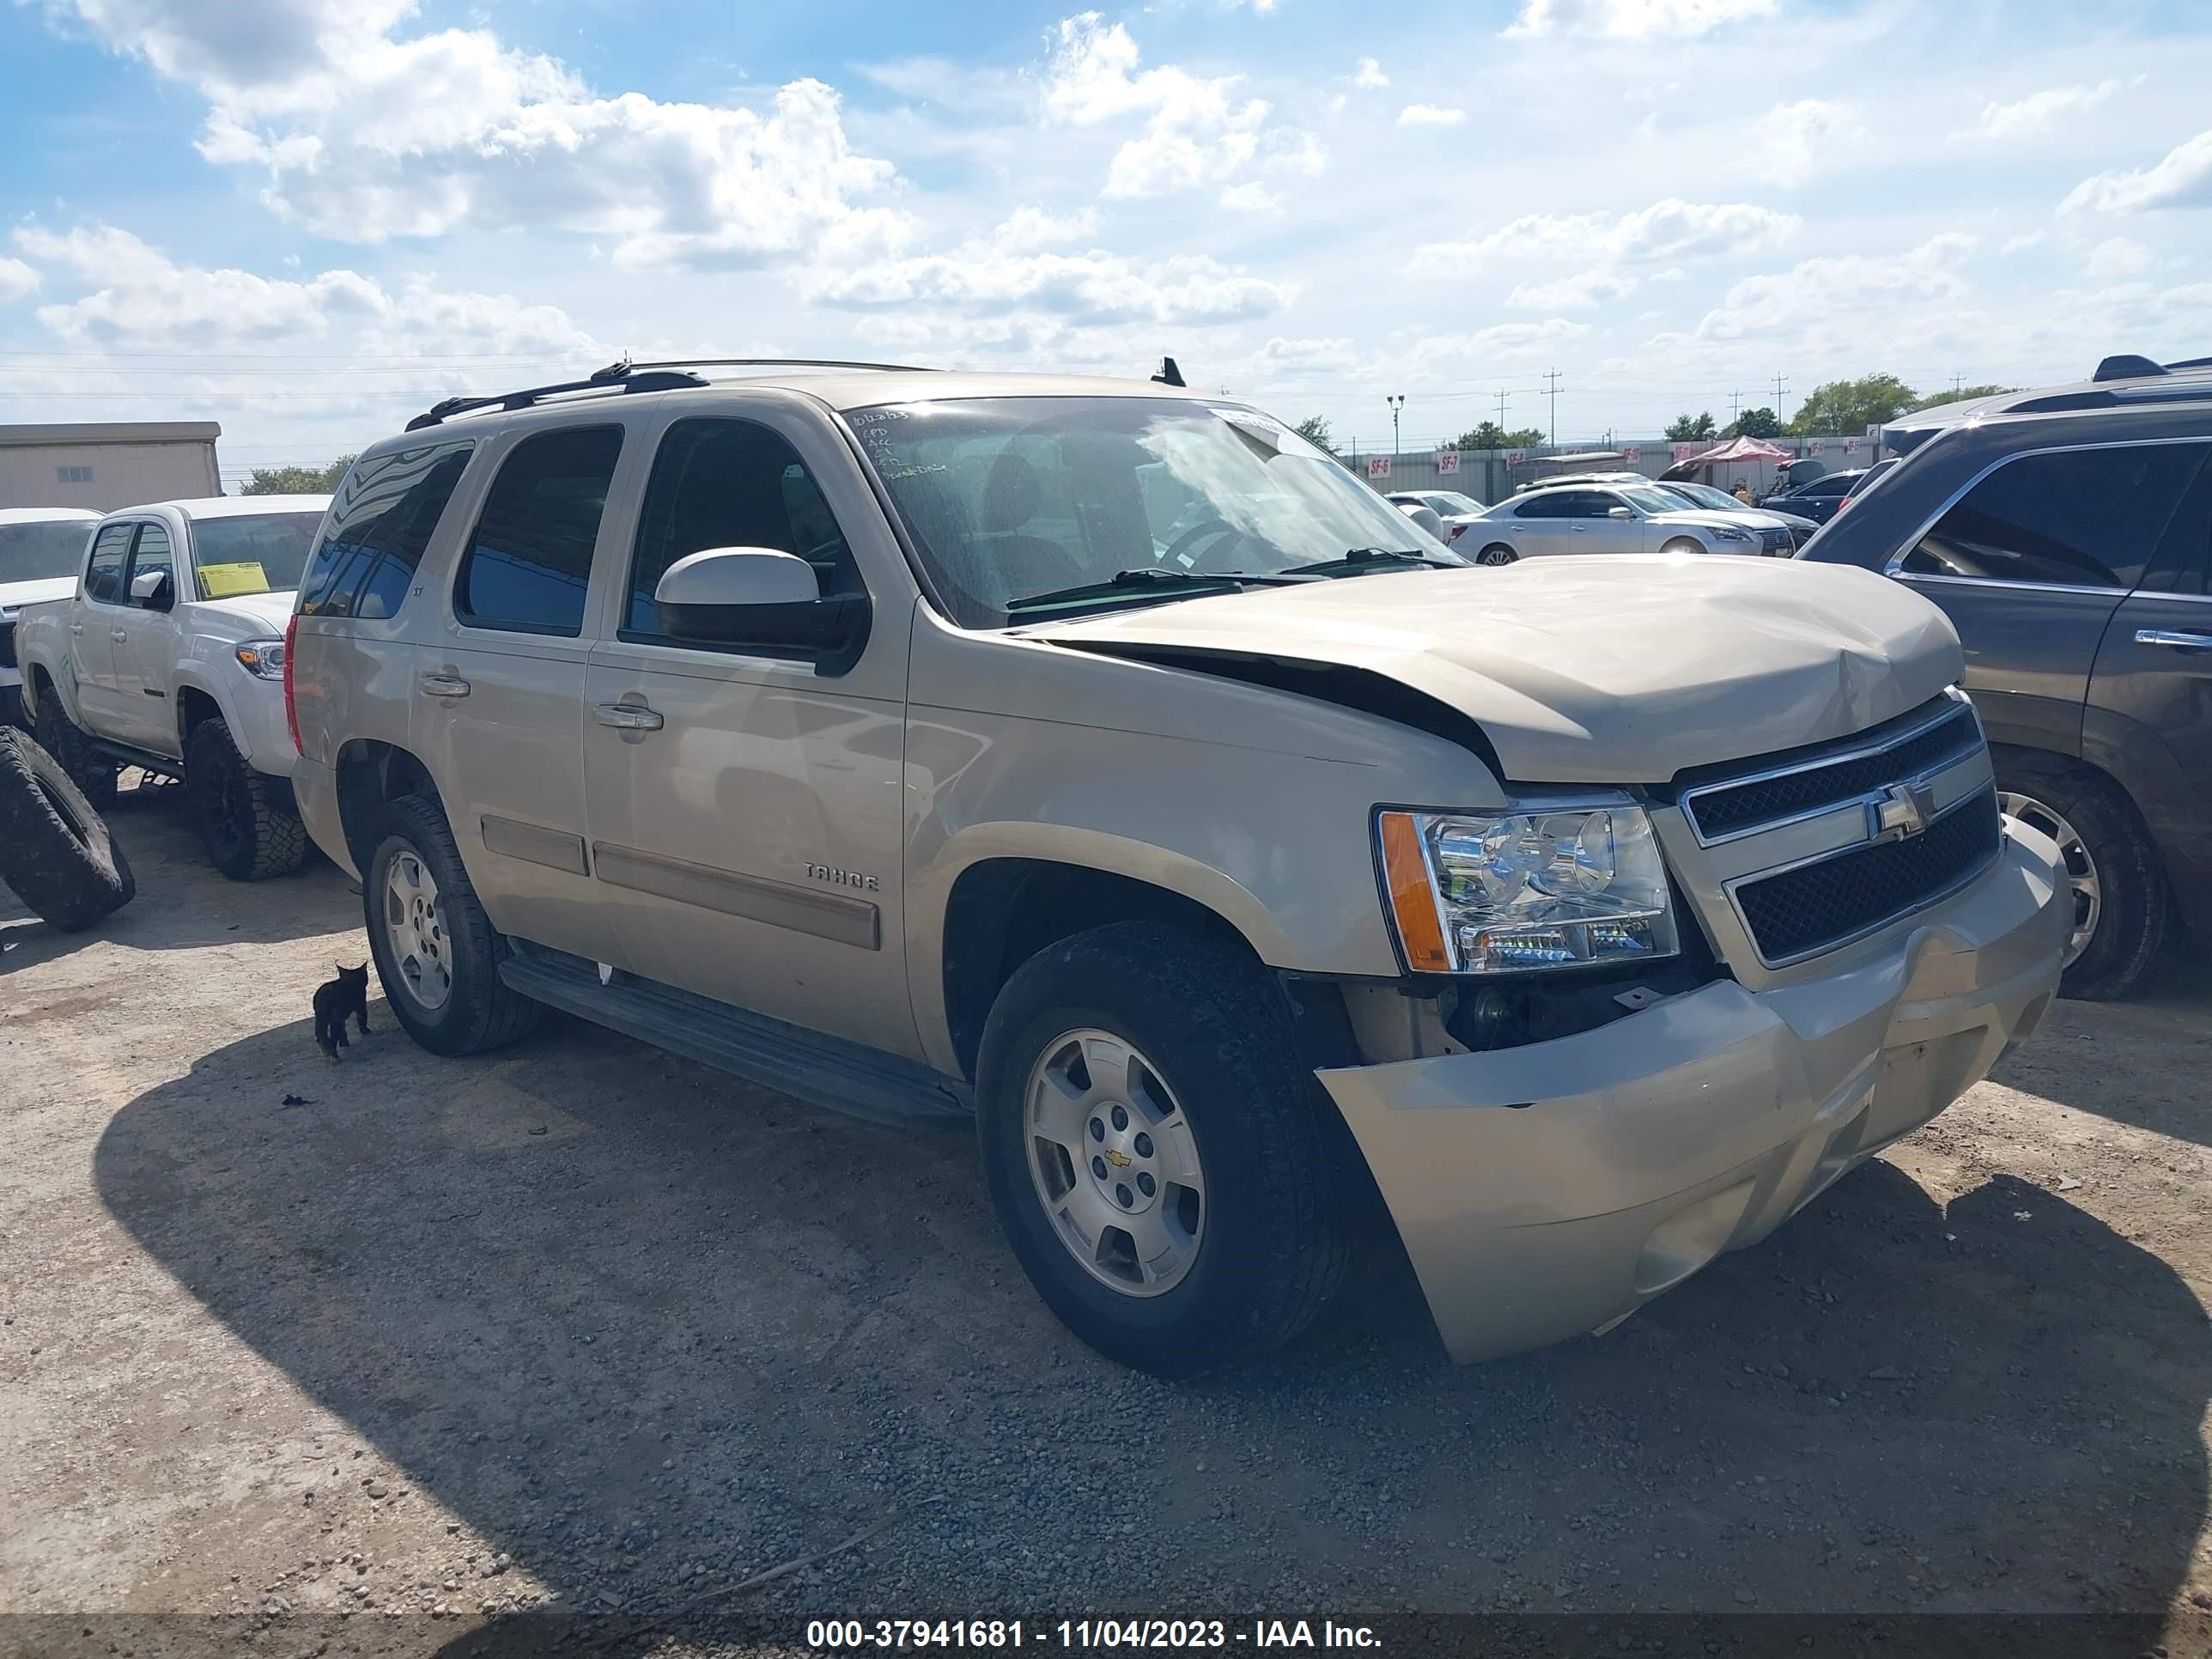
(614, 371)
(1169, 374)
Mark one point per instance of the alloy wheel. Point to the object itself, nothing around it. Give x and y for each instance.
(415, 929)
(2073, 854)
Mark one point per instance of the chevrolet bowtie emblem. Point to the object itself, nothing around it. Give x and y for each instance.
(1119, 1160)
(1902, 811)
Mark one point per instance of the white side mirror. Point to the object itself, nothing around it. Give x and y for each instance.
(146, 584)
(1618, 515)
(738, 576)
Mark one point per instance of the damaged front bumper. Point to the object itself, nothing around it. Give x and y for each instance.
(1552, 1189)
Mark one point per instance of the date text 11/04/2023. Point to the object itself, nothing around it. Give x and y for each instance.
(1011, 1635)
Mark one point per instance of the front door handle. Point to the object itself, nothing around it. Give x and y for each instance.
(121, 637)
(443, 685)
(2180, 642)
(76, 628)
(628, 716)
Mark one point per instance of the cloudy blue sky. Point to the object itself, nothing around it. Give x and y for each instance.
(310, 218)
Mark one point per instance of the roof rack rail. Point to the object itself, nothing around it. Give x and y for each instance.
(783, 362)
(616, 377)
(2190, 362)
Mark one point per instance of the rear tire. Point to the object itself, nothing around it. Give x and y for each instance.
(436, 951)
(1496, 554)
(1246, 1211)
(250, 832)
(54, 849)
(2118, 886)
(92, 772)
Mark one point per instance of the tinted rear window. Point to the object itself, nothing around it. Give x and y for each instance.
(381, 521)
(530, 562)
(34, 552)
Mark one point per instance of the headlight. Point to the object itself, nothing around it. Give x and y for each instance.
(1483, 893)
(1724, 534)
(263, 658)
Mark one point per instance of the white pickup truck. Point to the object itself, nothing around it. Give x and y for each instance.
(169, 655)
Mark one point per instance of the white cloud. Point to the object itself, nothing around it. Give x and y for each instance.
(2118, 256)
(1369, 75)
(2038, 110)
(365, 135)
(1635, 20)
(17, 281)
(1580, 292)
(1783, 140)
(1429, 115)
(1197, 135)
(1030, 227)
(1667, 230)
(1251, 196)
(1093, 287)
(2182, 180)
(144, 299)
(1821, 298)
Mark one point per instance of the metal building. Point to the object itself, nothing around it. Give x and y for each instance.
(109, 463)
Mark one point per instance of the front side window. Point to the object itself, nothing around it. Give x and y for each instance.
(151, 557)
(729, 483)
(103, 577)
(1005, 499)
(2083, 517)
(42, 549)
(529, 563)
(382, 519)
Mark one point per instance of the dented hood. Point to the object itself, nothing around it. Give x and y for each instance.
(1615, 669)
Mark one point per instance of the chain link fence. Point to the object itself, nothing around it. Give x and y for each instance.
(1490, 475)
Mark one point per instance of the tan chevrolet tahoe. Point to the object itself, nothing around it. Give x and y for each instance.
(1100, 760)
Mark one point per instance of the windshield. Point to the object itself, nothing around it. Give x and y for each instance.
(253, 553)
(1706, 495)
(1451, 502)
(1656, 500)
(1004, 498)
(33, 552)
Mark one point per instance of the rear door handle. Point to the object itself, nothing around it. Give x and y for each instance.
(2180, 642)
(121, 637)
(443, 685)
(630, 716)
(76, 628)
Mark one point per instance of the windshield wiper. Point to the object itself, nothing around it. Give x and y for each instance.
(1145, 576)
(1360, 560)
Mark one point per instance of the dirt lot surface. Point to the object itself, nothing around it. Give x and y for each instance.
(579, 1325)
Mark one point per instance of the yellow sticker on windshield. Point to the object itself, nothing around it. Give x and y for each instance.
(228, 582)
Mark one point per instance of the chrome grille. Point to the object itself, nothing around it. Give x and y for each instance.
(1723, 810)
(1798, 913)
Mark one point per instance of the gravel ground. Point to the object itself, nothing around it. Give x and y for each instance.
(582, 1326)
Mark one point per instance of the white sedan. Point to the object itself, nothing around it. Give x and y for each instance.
(1609, 518)
(1455, 510)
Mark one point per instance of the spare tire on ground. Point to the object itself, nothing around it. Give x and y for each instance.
(54, 849)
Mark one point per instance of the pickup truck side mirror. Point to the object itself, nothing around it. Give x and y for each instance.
(761, 599)
(1618, 515)
(152, 590)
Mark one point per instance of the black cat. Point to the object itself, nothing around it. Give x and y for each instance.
(335, 999)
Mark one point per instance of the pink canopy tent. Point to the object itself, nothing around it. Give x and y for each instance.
(1739, 451)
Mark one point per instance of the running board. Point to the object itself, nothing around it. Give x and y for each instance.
(826, 1071)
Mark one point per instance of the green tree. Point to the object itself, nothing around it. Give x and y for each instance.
(296, 480)
(1491, 435)
(1963, 393)
(1686, 426)
(1315, 430)
(1755, 424)
(1851, 406)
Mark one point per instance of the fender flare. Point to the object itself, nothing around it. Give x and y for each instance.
(190, 673)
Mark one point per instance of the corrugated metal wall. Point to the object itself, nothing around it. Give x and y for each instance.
(106, 476)
(1489, 475)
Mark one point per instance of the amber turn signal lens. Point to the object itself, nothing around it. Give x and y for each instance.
(1412, 900)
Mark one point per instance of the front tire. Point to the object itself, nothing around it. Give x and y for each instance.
(1217, 1231)
(1496, 554)
(2111, 868)
(436, 951)
(250, 832)
(1683, 544)
(92, 771)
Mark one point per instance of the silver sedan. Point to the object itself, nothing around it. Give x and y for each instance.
(1609, 518)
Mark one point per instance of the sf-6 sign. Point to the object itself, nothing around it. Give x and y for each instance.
(1378, 466)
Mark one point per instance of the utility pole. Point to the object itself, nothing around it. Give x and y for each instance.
(1551, 378)
(1502, 396)
(1958, 383)
(1397, 401)
(1781, 385)
(1735, 407)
